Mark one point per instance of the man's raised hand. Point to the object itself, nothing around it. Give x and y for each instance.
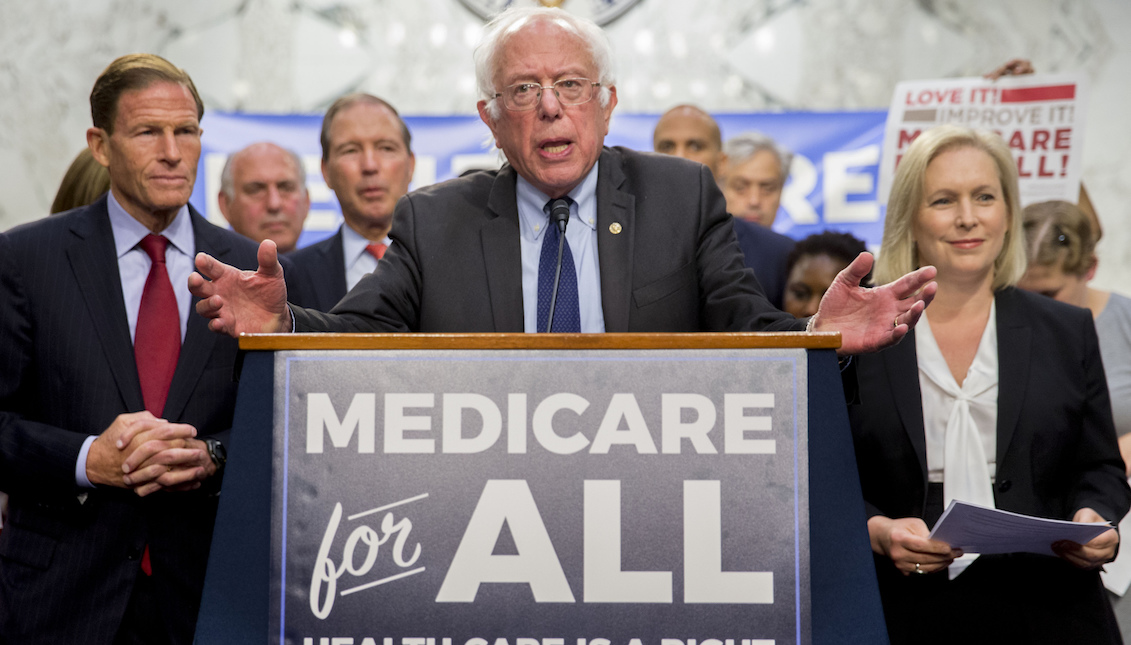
(242, 302)
(872, 319)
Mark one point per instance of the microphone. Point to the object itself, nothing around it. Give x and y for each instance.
(559, 216)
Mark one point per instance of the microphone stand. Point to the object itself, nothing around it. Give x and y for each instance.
(559, 216)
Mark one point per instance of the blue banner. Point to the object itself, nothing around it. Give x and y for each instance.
(832, 182)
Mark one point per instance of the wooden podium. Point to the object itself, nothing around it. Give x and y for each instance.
(824, 593)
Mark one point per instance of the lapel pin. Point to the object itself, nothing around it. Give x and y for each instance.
(615, 228)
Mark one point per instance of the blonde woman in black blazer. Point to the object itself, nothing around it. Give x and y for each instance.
(954, 205)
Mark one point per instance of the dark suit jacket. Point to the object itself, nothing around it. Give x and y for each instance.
(1056, 453)
(318, 277)
(67, 370)
(766, 252)
(672, 265)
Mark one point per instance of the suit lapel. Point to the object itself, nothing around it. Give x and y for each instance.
(199, 341)
(1014, 337)
(903, 378)
(502, 254)
(336, 265)
(616, 211)
(93, 259)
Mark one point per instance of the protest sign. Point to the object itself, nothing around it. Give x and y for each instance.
(1040, 116)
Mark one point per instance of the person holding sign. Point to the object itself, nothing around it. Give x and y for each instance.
(998, 399)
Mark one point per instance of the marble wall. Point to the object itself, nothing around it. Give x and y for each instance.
(273, 56)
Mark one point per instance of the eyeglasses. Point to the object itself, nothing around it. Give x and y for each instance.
(569, 91)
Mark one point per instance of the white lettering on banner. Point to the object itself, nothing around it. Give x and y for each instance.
(520, 641)
(544, 419)
(704, 581)
(604, 580)
(536, 562)
(718, 641)
(397, 423)
(623, 406)
(795, 195)
(320, 415)
(840, 183)
(622, 424)
(675, 430)
(492, 429)
(324, 580)
(736, 424)
(516, 424)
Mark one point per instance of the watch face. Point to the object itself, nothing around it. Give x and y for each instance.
(217, 451)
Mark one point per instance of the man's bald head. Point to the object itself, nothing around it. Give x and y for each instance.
(689, 132)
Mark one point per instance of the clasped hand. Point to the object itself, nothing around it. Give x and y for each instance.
(147, 454)
(1099, 551)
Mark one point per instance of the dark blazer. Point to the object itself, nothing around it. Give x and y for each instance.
(67, 370)
(1056, 453)
(318, 277)
(670, 264)
(766, 252)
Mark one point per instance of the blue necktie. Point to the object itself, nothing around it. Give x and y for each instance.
(567, 314)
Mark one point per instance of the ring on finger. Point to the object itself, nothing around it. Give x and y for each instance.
(919, 569)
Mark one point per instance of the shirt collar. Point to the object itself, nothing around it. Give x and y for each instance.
(531, 202)
(128, 231)
(353, 243)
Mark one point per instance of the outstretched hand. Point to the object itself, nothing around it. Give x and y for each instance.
(237, 302)
(872, 319)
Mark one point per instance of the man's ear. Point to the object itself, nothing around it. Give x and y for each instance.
(609, 108)
(485, 116)
(96, 140)
(222, 199)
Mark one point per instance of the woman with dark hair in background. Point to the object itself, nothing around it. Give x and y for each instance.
(812, 266)
(996, 398)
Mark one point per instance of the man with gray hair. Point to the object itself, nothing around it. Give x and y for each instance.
(648, 245)
(263, 194)
(690, 132)
(756, 170)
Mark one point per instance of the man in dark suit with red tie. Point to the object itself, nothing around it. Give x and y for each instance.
(115, 400)
(367, 161)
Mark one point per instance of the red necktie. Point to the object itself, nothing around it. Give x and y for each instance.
(157, 340)
(377, 249)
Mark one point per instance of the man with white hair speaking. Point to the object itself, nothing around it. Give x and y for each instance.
(648, 244)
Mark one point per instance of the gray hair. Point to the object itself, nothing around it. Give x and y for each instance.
(228, 182)
(744, 146)
(512, 21)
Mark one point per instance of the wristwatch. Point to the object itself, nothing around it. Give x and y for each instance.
(217, 452)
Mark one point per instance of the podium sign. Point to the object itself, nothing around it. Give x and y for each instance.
(583, 497)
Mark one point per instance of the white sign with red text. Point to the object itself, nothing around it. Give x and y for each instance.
(1040, 116)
